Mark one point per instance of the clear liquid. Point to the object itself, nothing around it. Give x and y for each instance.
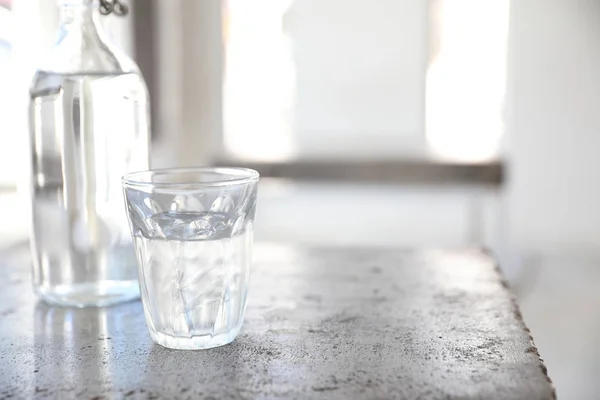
(194, 271)
(86, 132)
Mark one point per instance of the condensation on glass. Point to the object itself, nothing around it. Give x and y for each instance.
(89, 114)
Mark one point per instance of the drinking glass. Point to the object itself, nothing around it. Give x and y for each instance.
(192, 232)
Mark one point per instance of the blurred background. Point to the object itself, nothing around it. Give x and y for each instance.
(376, 123)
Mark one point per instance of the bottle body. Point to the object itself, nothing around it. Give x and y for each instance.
(87, 129)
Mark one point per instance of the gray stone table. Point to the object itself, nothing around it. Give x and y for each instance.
(321, 323)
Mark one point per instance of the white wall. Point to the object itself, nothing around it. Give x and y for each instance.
(405, 216)
(554, 125)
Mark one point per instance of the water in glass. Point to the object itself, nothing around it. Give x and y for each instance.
(195, 270)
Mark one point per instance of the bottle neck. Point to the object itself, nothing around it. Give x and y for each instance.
(80, 14)
(81, 46)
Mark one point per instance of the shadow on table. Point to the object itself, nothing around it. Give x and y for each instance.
(251, 366)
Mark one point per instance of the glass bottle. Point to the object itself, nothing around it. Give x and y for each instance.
(89, 125)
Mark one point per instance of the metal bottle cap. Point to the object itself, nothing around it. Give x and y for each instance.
(113, 6)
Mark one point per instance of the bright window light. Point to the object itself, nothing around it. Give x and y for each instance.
(259, 81)
(466, 79)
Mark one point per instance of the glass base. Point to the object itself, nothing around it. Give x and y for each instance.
(194, 342)
(97, 294)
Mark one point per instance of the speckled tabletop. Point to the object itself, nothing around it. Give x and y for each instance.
(321, 323)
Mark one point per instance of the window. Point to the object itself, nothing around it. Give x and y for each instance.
(323, 78)
(466, 78)
(282, 81)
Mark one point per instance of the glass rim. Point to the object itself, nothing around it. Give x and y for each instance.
(231, 176)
